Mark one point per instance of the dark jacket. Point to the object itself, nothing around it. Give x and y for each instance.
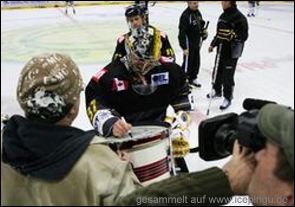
(190, 29)
(39, 149)
(231, 19)
(48, 165)
(206, 188)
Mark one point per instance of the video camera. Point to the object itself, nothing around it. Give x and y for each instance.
(217, 135)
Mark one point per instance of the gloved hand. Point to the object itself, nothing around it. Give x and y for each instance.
(180, 123)
(4, 119)
(180, 145)
(204, 34)
(181, 119)
(184, 120)
(226, 34)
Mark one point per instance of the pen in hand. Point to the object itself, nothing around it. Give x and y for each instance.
(129, 132)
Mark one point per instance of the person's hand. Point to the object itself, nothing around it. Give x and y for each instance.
(204, 34)
(124, 156)
(186, 52)
(211, 48)
(240, 169)
(121, 128)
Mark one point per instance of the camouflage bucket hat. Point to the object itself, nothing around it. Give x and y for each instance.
(276, 123)
(49, 86)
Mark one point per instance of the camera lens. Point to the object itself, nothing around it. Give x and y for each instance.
(225, 138)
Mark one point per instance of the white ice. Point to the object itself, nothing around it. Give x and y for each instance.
(266, 70)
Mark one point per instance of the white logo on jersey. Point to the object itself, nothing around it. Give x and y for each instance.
(160, 79)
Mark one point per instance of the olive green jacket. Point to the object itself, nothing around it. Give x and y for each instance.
(98, 178)
(209, 187)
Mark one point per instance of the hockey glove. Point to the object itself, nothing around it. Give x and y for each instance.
(180, 123)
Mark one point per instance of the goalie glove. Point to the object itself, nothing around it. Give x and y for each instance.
(180, 145)
(181, 119)
(180, 123)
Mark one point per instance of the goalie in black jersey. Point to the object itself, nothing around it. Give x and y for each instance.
(138, 87)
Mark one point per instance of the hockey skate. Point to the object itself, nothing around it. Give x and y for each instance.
(226, 103)
(213, 94)
(196, 83)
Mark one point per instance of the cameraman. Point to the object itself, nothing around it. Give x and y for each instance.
(273, 177)
(268, 179)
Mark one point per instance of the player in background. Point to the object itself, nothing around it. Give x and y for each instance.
(70, 4)
(135, 18)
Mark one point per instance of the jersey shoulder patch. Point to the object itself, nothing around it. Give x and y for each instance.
(121, 39)
(99, 75)
(163, 35)
(165, 59)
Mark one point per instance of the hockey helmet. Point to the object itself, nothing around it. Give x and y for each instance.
(133, 10)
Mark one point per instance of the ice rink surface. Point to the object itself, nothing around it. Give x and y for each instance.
(266, 70)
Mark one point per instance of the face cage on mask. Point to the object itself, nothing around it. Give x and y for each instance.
(141, 86)
(141, 66)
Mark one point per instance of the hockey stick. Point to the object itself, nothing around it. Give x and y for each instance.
(217, 61)
(172, 161)
(186, 57)
(154, 3)
(186, 64)
(148, 12)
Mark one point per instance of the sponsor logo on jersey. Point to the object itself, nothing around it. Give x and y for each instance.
(160, 79)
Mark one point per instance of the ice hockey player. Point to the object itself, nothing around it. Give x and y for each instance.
(135, 18)
(232, 33)
(138, 87)
(252, 7)
(70, 4)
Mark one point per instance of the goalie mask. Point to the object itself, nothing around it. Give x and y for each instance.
(143, 49)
